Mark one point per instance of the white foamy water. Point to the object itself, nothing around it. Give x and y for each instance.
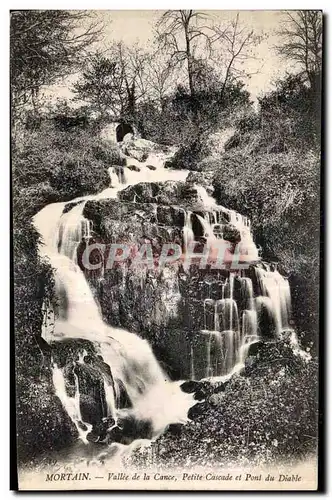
(134, 367)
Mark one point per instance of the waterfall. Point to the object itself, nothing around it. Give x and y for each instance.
(187, 230)
(71, 404)
(247, 243)
(207, 200)
(241, 317)
(276, 288)
(152, 396)
(207, 228)
(130, 358)
(236, 313)
(135, 172)
(73, 228)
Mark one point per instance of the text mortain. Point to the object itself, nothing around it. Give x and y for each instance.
(68, 476)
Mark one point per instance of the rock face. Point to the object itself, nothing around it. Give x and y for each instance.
(187, 314)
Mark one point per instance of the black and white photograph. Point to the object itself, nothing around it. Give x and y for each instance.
(166, 214)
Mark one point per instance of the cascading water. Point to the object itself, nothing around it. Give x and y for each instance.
(241, 316)
(151, 170)
(234, 317)
(276, 288)
(188, 233)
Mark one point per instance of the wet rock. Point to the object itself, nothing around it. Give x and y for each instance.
(139, 148)
(139, 155)
(144, 192)
(231, 233)
(197, 410)
(151, 167)
(129, 138)
(194, 387)
(91, 409)
(175, 429)
(69, 206)
(164, 193)
(215, 399)
(218, 387)
(134, 168)
(204, 179)
(115, 435)
(267, 321)
(92, 393)
(170, 215)
(101, 430)
(101, 212)
(69, 350)
(84, 368)
(254, 348)
(133, 428)
(189, 194)
(288, 335)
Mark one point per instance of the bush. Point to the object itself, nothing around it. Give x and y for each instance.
(52, 165)
(182, 119)
(189, 155)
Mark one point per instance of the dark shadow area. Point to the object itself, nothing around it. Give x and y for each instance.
(122, 130)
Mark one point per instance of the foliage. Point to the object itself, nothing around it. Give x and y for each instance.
(46, 45)
(290, 115)
(66, 118)
(56, 165)
(271, 173)
(101, 85)
(33, 291)
(302, 41)
(51, 162)
(116, 82)
(176, 121)
(191, 40)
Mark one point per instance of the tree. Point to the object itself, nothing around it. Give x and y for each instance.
(46, 45)
(114, 81)
(206, 48)
(178, 32)
(101, 85)
(289, 117)
(133, 63)
(233, 45)
(161, 78)
(302, 33)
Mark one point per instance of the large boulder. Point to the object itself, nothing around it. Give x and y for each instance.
(138, 148)
(204, 179)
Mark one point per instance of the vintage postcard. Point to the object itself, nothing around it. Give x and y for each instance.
(166, 248)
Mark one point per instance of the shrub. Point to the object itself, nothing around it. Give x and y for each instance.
(52, 165)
